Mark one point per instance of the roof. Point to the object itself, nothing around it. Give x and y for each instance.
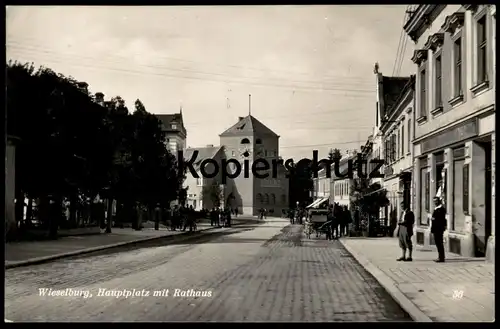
(248, 125)
(168, 119)
(392, 87)
(203, 153)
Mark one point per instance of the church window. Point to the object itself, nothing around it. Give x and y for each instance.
(245, 141)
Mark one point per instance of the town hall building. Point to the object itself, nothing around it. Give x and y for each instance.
(248, 139)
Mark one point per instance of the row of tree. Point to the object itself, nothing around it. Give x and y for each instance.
(71, 143)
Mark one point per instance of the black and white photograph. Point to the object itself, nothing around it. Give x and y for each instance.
(250, 163)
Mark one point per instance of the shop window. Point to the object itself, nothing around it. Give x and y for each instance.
(458, 221)
(465, 189)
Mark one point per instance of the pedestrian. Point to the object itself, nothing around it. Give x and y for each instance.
(343, 221)
(213, 215)
(348, 219)
(228, 218)
(438, 227)
(330, 219)
(405, 232)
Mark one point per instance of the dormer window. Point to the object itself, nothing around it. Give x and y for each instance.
(245, 141)
(174, 126)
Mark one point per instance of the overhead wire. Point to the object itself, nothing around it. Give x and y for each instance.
(357, 93)
(11, 39)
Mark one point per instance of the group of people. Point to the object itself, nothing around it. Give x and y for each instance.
(221, 217)
(405, 230)
(339, 218)
(182, 218)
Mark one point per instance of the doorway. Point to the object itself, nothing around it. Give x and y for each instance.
(483, 225)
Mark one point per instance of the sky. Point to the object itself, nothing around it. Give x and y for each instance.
(309, 69)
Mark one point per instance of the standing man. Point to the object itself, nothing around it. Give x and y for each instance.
(405, 232)
(438, 227)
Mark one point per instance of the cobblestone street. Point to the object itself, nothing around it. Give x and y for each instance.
(268, 272)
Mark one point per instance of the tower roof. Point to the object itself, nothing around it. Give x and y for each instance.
(248, 126)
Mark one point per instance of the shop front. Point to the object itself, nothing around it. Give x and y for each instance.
(457, 165)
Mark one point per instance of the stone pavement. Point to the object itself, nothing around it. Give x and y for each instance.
(459, 290)
(267, 272)
(17, 253)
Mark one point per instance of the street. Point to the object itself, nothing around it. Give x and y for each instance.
(267, 272)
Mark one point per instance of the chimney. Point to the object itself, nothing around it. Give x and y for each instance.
(99, 98)
(83, 86)
(240, 118)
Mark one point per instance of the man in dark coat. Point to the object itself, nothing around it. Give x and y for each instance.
(405, 232)
(438, 227)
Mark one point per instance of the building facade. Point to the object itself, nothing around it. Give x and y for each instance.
(200, 193)
(175, 132)
(397, 130)
(10, 186)
(454, 153)
(341, 187)
(250, 140)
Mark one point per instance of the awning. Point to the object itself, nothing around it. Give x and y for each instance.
(317, 203)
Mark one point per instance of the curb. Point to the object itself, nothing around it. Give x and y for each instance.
(45, 259)
(388, 284)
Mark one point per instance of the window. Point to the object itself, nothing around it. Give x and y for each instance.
(457, 70)
(481, 50)
(258, 141)
(199, 181)
(465, 189)
(409, 135)
(402, 141)
(397, 146)
(245, 141)
(174, 126)
(393, 147)
(423, 98)
(233, 153)
(438, 83)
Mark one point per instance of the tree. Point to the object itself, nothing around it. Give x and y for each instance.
(212, 192)
(334, 153)
(301, 185)
(368, 199)
(72, 146)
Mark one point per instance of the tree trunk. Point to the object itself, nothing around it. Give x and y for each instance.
(29, 213)
(72, 210)
(19, 207)
(109, 215)
(157, 213)
(54, 216)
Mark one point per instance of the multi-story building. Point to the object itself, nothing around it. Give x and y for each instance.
(396, 129)
(388, 92)
(321, 188)
(175, 132)
(200, 190)
(454, 154)
(341, 186)
(249, 139)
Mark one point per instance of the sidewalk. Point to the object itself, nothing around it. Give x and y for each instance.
(28, 253)
(459, 290)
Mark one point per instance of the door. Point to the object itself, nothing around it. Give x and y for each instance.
(484, 227)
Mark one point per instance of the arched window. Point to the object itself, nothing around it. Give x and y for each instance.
(245, 141)
(258, 141)
(283, 199)
(259, 198)
(266, 198)
(273, 199)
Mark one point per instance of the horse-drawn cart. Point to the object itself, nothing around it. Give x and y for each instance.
(317, 222)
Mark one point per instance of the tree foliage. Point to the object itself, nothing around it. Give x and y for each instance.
(334, 153)
(212, 192)
(70, 143)
(368, 198)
